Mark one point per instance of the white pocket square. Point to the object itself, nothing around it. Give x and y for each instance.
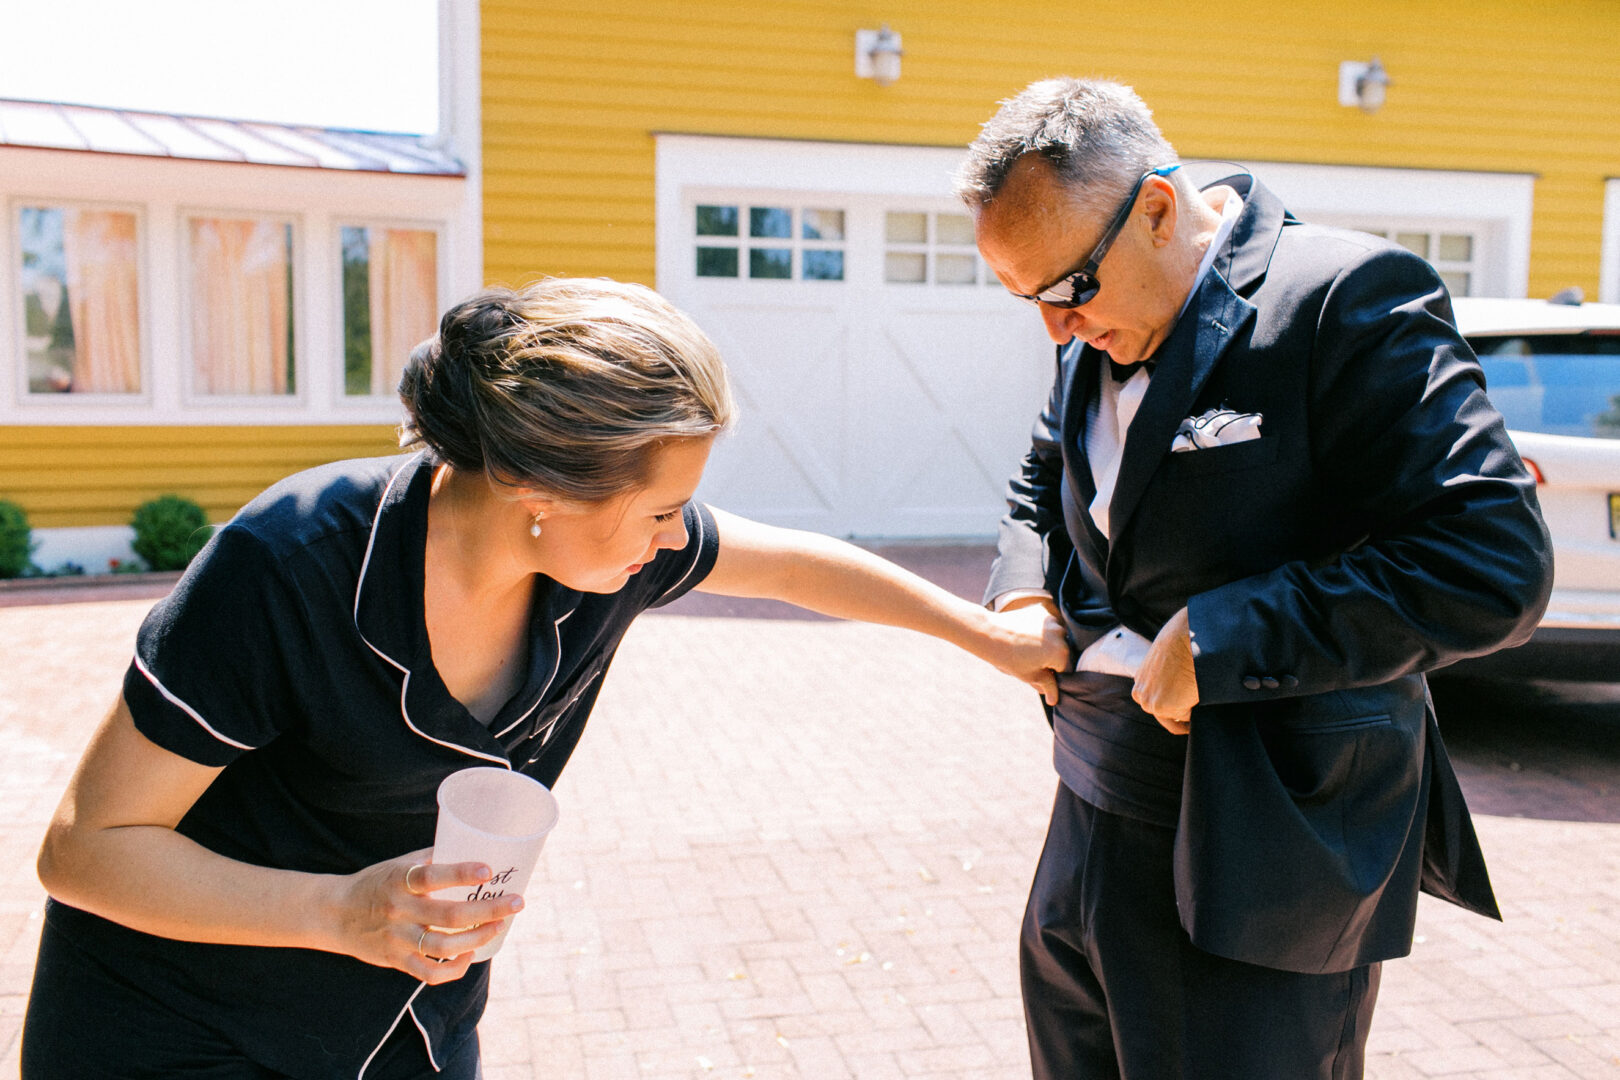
(1217, 427)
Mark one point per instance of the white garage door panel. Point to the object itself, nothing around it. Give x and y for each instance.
(869, 408)
(887, 385)
(781, 464)
(944, 408)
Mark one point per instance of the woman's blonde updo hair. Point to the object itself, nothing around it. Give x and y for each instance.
(563, 387)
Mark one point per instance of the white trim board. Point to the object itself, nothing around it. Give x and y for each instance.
(1609, 274)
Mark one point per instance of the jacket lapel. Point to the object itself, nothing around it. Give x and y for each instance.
(1205, 331)
(1183, 368)
(1077, 466)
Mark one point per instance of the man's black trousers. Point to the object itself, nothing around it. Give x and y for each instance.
(1113, 988)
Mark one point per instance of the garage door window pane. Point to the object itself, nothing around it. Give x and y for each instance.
(1457, 282)
(905, 267)
(823, 225)
(1415, 242)
(717, 221)
(1456, 247)
(770, 263)
(770, 221)
(953, 229)
(824, 266)
(716, 262)
(955, 269)
(905, 228)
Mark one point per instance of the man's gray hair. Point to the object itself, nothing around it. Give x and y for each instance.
(1098, 136)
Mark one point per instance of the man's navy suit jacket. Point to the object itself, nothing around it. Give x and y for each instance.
(1381, 526)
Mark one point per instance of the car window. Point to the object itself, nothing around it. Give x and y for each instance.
(1561, 384)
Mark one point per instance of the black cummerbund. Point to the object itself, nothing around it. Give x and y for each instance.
(1112, 754)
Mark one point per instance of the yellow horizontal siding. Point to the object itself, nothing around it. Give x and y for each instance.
(573, 91)
(98, 475)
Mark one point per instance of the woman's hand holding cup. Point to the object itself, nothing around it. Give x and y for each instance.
(386, 916)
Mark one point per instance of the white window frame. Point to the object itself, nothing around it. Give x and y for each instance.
(788, 170)
(195, 398)
(441, 270)
(931, 248)
(1609, 275)
(743, 242)
(11, 278)
(164, 192)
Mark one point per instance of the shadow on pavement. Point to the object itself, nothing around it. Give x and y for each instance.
(1535, 749)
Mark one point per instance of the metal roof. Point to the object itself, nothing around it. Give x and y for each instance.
(54, 126)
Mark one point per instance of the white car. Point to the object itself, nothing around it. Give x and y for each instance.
(1553, 369)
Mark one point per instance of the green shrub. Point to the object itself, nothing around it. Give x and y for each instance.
(16, 541)
(169, 531)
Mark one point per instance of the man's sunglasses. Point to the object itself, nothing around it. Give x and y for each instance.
(1080, 286)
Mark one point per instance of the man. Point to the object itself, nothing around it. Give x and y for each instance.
(1266, 495)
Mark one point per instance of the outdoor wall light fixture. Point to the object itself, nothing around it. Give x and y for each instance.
(1363, 85)
(877, 55)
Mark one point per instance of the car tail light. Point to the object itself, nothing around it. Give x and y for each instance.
(1535, 471)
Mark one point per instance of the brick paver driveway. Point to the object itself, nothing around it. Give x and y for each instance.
(799, 848)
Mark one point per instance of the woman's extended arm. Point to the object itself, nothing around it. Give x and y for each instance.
(835, 578)
(112, 850)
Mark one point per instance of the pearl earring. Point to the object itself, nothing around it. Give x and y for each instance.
(534, 526)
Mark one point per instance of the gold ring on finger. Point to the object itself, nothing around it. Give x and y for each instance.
(420, 942)
(408, 871)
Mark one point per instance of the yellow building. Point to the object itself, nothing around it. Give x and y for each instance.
(732, 155)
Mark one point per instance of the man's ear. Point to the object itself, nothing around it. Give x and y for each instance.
(1160, 206)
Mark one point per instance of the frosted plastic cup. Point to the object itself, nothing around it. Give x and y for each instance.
(498, 817)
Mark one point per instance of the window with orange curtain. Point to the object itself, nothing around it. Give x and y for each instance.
(240, 298)
(81, 300)
(390, 304)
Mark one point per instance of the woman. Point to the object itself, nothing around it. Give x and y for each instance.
(238, 881)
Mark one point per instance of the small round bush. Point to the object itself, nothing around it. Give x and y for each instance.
(169, 531)
(16, 540)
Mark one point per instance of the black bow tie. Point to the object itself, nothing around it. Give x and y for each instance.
(1122, 372)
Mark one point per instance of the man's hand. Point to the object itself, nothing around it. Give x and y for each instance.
(1036, 643)
(1167, 684)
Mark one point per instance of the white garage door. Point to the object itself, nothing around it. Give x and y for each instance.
(887, 382)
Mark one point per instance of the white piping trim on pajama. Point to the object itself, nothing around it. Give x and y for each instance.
(550, 727)
(187, 709)
(405, 684)
(371, 541)
(426, 1042)
(697, 557)
(361, 1075)
(556, 664)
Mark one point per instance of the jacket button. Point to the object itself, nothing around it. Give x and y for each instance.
(1290, 682)
(1269, 683)
(1251, 682)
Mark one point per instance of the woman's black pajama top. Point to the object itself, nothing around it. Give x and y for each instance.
(294, 654)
